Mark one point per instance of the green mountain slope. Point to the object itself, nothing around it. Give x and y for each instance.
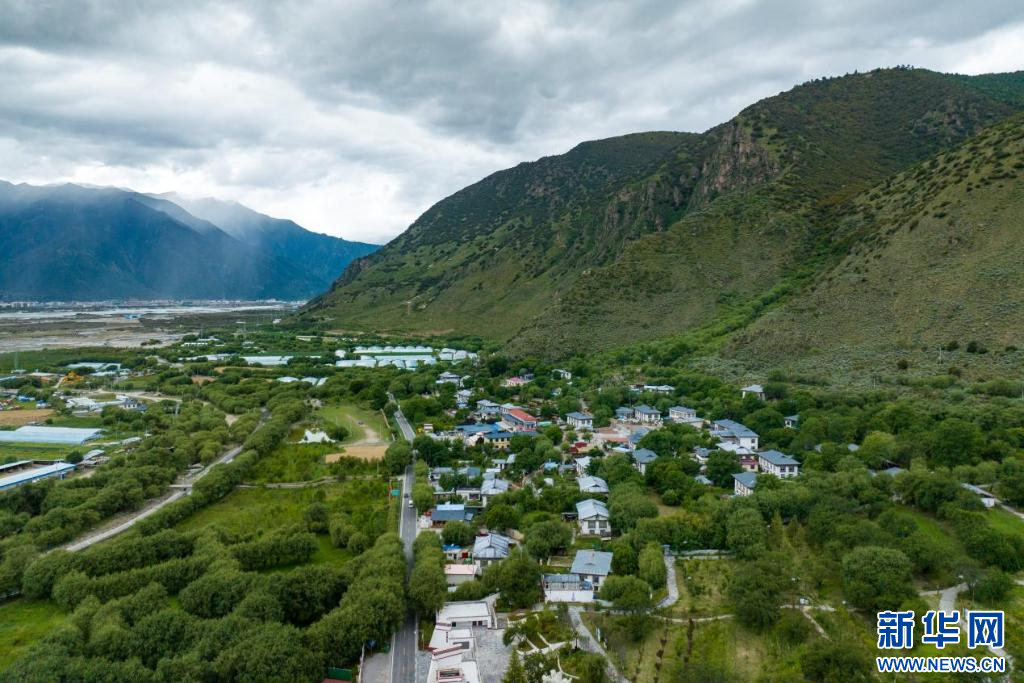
(648, 235)
(932, 256)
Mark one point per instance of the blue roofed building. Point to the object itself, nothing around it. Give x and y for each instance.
(779, 464)
(744, 483)
(592, 566)
(642, 457)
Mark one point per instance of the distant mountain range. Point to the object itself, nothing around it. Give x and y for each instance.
(871, 210)
(75, 243)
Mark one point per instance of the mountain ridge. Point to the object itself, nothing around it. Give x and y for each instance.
(71, 242)
(653, 234)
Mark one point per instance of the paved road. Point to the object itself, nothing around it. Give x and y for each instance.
(184, 486)
(673, 588)
(588, 642)
(403, 645)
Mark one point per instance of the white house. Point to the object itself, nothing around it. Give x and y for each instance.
(592, 516)
(734, 432)
(581, 465)
(779, 464)
(562, 373)
(645, 414)
(791, 421)
(642, 457)
(744, 483)
(491, 488)
(752, 390)
(467, 613)
(681, 414)
(580, 421)
(458, 574)
(590, 484)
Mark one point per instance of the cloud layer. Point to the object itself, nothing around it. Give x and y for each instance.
(353, 117)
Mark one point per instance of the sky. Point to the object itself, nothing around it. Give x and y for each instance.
(354, 117)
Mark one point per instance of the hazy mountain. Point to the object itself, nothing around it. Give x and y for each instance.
(70, 242)
(656, 234)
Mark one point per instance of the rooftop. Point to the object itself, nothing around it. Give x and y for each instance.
(748, 479)
(777, 458)
(61, 435)
(591, 508)
(592, 562)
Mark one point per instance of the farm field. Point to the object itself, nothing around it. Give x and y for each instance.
(19, 418)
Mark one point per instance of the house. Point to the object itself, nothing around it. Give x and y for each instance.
(491, 488)
(734, 432)
(659, 388)
(645, 414)
(499, 440)
(580, 421)
(458, 574)
(566, 588)
(744, 483)
(752, 390)
(623, 413)
(449, 512)
(561, 373)
(489, 549)
(451, 664)
(518, 420)
(703, 480)
(449, 378)
(779, 464)
(592, 516)
(582, 464)
(682, 414)
(485, 408)
(590, 484)
(516, 382)
(592, 566)
(315, 436)
(749, 463)
(467, 613)
(791, 421)
(987, 499)
(642, 457)
(701, 454)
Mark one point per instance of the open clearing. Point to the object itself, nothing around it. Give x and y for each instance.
(365, 427)
(19, 418)
(365, 452)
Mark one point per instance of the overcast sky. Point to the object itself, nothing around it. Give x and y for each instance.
(354, 117)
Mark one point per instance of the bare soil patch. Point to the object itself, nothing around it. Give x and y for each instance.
(365, 452)
(20, 418)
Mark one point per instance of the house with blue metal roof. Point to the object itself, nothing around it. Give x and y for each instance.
(645, 414)
(580, 421)
(450, 512)
(642, 457)
(592, 566)
(589, 484)
(593, 518)
(731, 431)
(779, 464)
(744, 483)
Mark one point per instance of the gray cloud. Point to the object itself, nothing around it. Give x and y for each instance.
(353, 117)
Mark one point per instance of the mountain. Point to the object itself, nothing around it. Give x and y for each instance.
(932, 257)
(70, 242)
(656, 234)
(322, 257)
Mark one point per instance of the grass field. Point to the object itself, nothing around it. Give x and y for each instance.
(364, 502)
(363, 425)
(10, 452)
(1005, 521)
(22, 622)
(291, 462)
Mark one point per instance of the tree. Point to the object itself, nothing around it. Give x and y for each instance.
(428, 587)
(340, 530)
(422, 497)
(721, 466)
(517, 579)
(745, 533)
(624, 558)
(877, 578)
(632, 597)
(954, 441)
(499, 517)
(545, 538)
(628, 504)
(515, 672)
(397, 457)
(652, 565)
(830, 662)
(316, 517)
(755, 595)
(458, 533)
